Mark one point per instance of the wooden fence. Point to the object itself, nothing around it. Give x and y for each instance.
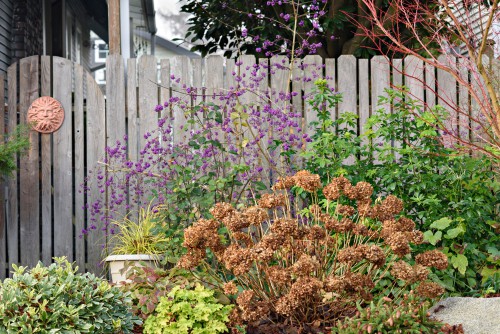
(42, 213)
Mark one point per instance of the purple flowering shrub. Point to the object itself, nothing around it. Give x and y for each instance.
(231, 146)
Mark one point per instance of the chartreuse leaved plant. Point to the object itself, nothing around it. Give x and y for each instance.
(188, 311)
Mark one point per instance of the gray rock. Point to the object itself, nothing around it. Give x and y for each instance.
(477, 315)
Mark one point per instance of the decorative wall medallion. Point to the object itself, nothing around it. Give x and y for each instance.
(46, 114)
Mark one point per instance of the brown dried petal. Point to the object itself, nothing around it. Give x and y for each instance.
(243, 237)
(305, 265)
(192, 259)
(392, 204)
(332, 191)
(345, 225)
(405, 224)
(221, 210)
(284, 183)
(429, 290)
(255, 215)
(416, 237)
(269, 201)
(402, 270)
(235, 222)
(420, 272)
(304, 288)
(398, 243)
(364, 191)
(230, 288)
(238, 260)
(375, 255)
(364, 207)
(360, 229)
(278, 275)
(201, 233)
(286, 305)
(352, 255)
(316, 232)
(285, 227)
(335, 284)
(331, 224)
(307, 181)
(350, 191)
(433, 258)
(345, 210)
(244, 299)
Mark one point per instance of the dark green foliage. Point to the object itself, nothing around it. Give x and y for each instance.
(219, 26)
(16, 142)
(451, 196)
(57, 299)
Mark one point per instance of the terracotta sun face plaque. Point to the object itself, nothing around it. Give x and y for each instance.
(46, 114)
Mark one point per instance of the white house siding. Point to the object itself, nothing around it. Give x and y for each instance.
(475, 19)
(162, 53)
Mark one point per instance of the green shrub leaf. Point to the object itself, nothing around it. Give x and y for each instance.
(459, 262)
(441, 224)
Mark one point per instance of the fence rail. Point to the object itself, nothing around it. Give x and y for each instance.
(41, 211)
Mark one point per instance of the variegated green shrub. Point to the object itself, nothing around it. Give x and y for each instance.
(57, 299)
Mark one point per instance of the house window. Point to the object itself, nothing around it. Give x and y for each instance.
(101, 51)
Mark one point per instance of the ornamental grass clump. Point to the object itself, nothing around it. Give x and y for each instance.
(310, 267)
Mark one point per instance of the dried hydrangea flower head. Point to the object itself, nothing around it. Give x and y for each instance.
(269, 201)
(307, 181)
(433, 258)
(336, 188)
(429, 290)
(284, 183)
(230, 288)
(255, 215)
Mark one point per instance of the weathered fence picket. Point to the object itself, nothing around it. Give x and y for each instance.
(96, 143)
(62, 163)
(42, 212)
(46, 158)
(29, 178)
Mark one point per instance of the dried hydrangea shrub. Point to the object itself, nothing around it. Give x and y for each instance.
(305, 269)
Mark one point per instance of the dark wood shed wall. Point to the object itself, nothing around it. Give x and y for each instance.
(6, 9)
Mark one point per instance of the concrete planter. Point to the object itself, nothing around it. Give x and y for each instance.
(120, 265)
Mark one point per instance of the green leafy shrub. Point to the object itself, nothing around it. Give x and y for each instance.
(452, 196)
(57, 299)
(14, 143)
(405, 315)
(188, 311)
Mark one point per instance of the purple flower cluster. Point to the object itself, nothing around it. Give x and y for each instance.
(299, 21)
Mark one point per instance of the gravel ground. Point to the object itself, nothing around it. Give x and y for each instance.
(477, 315)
